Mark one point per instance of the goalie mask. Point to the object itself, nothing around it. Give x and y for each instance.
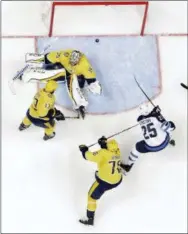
(75, 57)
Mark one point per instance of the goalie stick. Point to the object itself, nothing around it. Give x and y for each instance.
(184, 86)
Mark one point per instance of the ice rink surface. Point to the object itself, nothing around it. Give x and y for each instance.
(45, 184)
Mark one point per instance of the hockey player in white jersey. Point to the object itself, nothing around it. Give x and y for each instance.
(156, 132)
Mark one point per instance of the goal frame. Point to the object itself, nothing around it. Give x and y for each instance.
(104, 3)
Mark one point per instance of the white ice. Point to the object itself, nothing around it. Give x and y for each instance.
(45, 184)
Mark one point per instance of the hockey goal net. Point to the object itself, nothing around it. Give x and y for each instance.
(89, 18)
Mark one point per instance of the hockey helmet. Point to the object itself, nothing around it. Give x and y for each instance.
(145, 109)
(112, 145)
(51, 86)
(75, 57)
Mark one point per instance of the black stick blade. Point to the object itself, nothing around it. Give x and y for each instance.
(184, 86)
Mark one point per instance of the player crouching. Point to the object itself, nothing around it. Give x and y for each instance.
(108, 176)
(42, 112)
(156, 133)
(69, 66)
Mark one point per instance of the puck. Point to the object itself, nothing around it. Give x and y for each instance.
(97, 40)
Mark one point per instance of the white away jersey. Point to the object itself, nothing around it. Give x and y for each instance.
(153, 134)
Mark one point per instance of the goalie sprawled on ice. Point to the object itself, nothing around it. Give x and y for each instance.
(69, 66)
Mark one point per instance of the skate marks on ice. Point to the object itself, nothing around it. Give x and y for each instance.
(115, 60)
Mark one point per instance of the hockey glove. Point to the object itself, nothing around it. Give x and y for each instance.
(95, 87)
(59, 115)
(103, 142)
(83, 149)
(51, 114)
(156, 110)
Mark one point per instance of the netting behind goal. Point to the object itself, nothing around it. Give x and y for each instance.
(104, 18)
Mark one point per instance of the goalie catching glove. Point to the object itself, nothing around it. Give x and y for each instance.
(95, 87)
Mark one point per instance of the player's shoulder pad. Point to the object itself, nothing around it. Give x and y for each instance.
(141, 117)
(85, 60)
(101, 151)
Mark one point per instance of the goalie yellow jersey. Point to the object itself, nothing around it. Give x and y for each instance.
(42, 102)
(82, 68)
(108, 161)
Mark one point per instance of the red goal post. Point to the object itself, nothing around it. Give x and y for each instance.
(104, 3)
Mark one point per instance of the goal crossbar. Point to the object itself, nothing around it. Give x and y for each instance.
(94, 3)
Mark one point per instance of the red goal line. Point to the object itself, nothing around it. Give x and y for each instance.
(105, 35)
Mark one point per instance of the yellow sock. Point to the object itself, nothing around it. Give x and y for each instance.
(26, 121)
(50, 129)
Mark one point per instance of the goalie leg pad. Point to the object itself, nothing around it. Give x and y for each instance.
(40, 74)
(34, 58)
(75, 92)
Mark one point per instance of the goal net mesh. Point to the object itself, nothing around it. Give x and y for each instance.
(79, 18)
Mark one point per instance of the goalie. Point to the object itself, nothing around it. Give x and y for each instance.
(69, 66)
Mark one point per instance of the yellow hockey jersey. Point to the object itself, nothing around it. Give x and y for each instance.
(82, 68)
(108, 161)
(42, 102)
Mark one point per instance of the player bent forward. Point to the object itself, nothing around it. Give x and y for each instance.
(108, 176)
(156, 133)
(42, 112)
(70, 66)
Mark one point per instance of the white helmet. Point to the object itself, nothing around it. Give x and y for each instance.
(145, 109)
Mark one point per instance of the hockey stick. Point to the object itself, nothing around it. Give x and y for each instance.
(115, 134)
(184, 86)
(144, 92)
(72, 117)
(68, 117)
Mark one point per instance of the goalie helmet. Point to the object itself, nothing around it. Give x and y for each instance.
(51, 86)
(75, 57)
